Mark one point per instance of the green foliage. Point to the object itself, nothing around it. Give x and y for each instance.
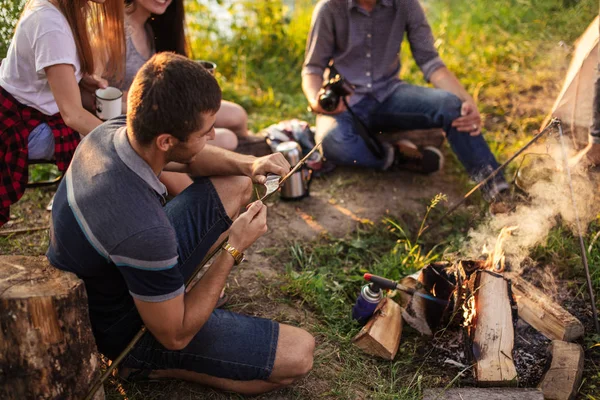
(328, 275)
(259, 57)
(10, 10)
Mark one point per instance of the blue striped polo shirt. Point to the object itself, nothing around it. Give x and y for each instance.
(110, 229)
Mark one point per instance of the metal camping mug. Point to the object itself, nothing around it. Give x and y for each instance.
(297, 186)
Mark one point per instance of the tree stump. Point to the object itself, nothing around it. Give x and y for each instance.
(47, 349)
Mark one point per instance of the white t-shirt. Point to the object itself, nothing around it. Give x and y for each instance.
(42, 38)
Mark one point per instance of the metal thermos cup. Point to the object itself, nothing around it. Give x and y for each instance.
(296, 187)
(369, 297)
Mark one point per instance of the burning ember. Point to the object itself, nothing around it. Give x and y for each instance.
(469, 311)
(496, 260)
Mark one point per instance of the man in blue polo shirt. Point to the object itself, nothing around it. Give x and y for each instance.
(112, 227)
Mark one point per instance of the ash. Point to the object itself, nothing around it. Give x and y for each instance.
(530, 354)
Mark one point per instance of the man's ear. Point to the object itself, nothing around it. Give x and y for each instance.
(165, 141)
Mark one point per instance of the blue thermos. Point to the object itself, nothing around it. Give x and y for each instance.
(369, 297)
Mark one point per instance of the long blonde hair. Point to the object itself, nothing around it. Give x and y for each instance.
(97, 26)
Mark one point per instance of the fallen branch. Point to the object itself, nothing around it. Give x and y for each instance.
(9, 232)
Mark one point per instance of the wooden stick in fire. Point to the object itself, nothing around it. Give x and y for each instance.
(143, 329)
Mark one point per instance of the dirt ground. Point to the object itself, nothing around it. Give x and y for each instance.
(338, 203)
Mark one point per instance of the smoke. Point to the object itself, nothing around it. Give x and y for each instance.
(547, 202)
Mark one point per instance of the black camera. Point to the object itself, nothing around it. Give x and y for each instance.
(333, 89)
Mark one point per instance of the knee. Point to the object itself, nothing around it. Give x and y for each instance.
(246, 190)
(450, 108)
(299, 359)
(238, 118)
(225, 139)
(240, 114)
(241, 188)
(305, 354)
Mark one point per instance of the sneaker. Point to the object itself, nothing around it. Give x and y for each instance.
(425, 161)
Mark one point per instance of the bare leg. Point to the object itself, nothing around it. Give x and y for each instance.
(293, 360)
(235, 192)
(225, 139)
(232, 116)
(175, 182)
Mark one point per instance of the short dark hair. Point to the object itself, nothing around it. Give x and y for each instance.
(170, 94)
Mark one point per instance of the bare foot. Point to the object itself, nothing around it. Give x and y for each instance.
(586, 158)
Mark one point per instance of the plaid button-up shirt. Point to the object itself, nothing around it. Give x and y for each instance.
(365, 46)
(16, 122)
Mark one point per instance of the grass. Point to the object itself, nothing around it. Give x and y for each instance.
(507, 54)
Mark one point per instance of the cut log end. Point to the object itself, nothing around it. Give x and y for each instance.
(381, 335)
(562, 380)
(47, 349)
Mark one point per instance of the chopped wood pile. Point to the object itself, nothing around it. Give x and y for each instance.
(484, 305)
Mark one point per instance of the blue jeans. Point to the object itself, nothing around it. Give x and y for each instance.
(408, 107)
(228, 345)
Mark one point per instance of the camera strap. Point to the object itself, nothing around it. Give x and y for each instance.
(373, 144)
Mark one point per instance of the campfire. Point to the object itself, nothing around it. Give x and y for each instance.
(485, 300)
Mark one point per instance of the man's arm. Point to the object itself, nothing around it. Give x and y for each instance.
(319, 51)
(176, 321)
(426, 56)
(214, 161)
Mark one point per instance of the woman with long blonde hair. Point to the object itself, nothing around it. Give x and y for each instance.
(50, 57)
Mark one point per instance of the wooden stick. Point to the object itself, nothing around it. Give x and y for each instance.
(9, 232)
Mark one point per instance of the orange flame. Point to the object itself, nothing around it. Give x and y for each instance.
(469, 311)
(496, 259)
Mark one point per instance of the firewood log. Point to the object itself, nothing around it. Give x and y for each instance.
(491, 331)
(539, 311)
(381, 335)
(47, 350)
(482, 394)
(425, 315)
(562, 380)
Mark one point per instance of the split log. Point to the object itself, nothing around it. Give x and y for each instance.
(425, 315)
(480, 394)
(562, 380)
(539, 311)
(47, 350)
(492, 330)
(415, 314)
(411, 282)
(381, 335)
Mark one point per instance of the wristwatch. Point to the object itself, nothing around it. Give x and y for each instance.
(237, 255)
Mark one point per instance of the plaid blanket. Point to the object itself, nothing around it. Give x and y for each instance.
(16, 122)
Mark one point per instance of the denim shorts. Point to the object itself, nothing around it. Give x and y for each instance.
(229, 345)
